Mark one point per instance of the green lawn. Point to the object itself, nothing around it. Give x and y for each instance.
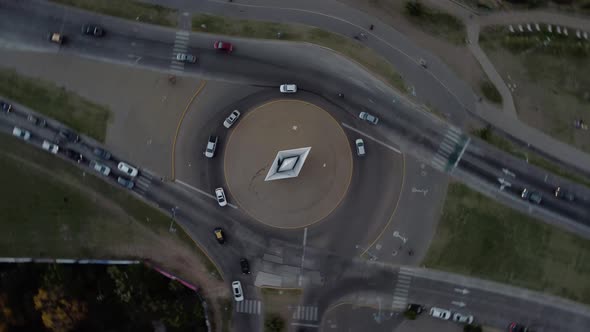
(480, 237)
(52, 209)
(436, 22)
(128, 9)
(294, 32)
(56, 102)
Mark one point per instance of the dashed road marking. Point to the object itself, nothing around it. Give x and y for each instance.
(252, 307)
(307, 313)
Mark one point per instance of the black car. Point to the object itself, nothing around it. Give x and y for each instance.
(92, 30)
(102, 154)
(515, 327)
(74, 155)
(36, 121)
(69, 136)
(6, 107)
(563, 194)
(245, 266)
(417, 308)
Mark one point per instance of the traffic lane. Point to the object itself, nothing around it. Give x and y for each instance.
(526, 173)
(575, 210)
(348, 317)
(492, 308)
(553, 206)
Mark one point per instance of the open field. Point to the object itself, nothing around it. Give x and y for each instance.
(550, 80)
(57, 210)
(276, 304)
(480, 237)
(294, 32)
(56, 102)
(128, 9)
(434, 21)
(575, 6)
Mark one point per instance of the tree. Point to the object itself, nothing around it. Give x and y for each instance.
(274, 323)
(58, 313)
(414, 8)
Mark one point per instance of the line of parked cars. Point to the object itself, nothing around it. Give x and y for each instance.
(445, 314)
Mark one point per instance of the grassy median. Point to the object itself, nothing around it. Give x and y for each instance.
(436, 22)
(128, 9)
(301, 33)
(50, 208)
(480, 237)
(56, 102)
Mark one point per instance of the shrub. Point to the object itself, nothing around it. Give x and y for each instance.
(414, 8)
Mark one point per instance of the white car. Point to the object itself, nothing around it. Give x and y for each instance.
(53, 148)
(182, 57)
(440, 313)
(127, 169)
(100, 168)
(360, 147)
(220, 196)
(211, 146)
(231, 119)
(21, 133)
(236, 287)
(461, 318)
(369, 118)
(288, 88)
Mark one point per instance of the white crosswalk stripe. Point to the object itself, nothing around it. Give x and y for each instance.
(252, 307)
(180, 46)
(401, 290)
(446, 148)
(306, 313)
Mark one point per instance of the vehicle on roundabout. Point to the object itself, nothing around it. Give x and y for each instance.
(440, 313)
(100, 168)
(127, 169)
(515, 327)
(463, 319)
(21, 133)
(288, 88)
(237, 291)
(56, 37)
(223, 46)
(188, 58)
(51, 147)
(369, 118)
(231, 119)
(211, 147)
(360, 147)
(220, 196)
(218, 232)
(93, 30)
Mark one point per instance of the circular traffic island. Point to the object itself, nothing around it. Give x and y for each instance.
(284, 125)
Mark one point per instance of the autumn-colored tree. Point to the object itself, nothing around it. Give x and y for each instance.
(7, 316)
(58, 313)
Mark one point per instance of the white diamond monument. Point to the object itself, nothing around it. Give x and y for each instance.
(287, 164)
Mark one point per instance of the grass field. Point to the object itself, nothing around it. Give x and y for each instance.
(128, 9)
(550, 77)
(437, 23)
(269, 30)
(55, 102)
(56, 210)
(480, 237)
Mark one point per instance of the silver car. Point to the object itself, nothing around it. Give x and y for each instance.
(360, 147)
(100, 168)
(369, 118)
(211, 147)
(183, 57)
(21, 133)
(462, 318)
(231, 119)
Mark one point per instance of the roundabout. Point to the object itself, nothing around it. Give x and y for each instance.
(282, 125)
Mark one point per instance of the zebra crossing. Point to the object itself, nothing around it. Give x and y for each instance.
(450, 150)
(143, 182)
(180, 46)
(252, 307)
(308, 313)
(400, 293)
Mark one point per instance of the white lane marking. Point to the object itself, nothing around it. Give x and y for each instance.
(462, 152)
(304, 325)
(201, 191)
(259, 306)
(303, 256)
(371, 138)
(182, 33)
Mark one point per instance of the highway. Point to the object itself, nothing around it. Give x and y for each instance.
(330, 276)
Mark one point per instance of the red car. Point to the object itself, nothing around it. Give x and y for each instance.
(515, 327)
(223, 46)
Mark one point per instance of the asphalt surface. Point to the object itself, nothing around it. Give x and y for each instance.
(421, 135)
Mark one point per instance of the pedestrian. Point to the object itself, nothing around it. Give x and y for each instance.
(411, 252)
(371, 27)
